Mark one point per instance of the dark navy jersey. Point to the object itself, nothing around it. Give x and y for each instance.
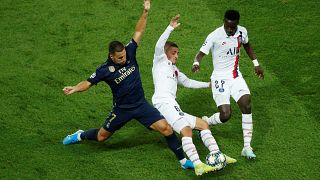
(124, 80)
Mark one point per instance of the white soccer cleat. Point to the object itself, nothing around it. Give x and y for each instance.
(248, 153)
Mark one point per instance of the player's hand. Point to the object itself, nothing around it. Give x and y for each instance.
(68, 90)
(259, 72)
(175, 21)
(210, 84)
(146, 5)
(195, 68)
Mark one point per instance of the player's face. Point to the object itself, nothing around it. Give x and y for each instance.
(230, 27)
(173, 54)
(119, 57)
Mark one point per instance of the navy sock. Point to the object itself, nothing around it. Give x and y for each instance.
(90, 134)
(175, 145)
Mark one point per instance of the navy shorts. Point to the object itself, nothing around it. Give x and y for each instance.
(144, 113)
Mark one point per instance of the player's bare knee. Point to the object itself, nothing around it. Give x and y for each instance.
(186, 132)
(101, 137)
(201, 124)
(166, 130)
(163, 127)
(225, 116)
(247, 109)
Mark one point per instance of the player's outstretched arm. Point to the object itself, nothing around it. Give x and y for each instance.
(196, 62)
(253, 57)
(141, 25)
(190, 83)
(82, 86)
(174, 23)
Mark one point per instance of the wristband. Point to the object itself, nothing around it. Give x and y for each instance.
(255, 62)
(196, 63)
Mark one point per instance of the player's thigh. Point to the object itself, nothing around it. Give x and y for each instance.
(201, 124)
(116, 119)
(221, 91)
(147, 115)
(239, 88)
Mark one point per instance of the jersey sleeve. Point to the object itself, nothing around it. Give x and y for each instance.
(100, 74)
(245, 38)
(190, 83)
(208, 43)
(159, 49)
(131, 48)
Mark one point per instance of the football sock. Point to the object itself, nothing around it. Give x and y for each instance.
(209, 141)
(183, 161)
(214, 119)
(90, 134)
(190, 149)
(247, 127)
(175, 145)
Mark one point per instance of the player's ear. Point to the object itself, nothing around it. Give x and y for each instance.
(110, 55)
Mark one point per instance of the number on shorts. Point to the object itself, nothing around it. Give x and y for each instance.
(220, 87)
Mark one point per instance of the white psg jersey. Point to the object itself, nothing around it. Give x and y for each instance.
(225, 51)
(166, 75)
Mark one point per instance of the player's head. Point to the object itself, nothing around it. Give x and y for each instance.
(117, 52)
(172, 51)
(231, 21)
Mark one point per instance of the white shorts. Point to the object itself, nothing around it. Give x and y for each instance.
(222, 89)
(175, 116)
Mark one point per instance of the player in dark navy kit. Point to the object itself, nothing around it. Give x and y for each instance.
(121, 73)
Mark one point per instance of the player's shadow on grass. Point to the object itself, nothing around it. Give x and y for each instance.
(129, 137)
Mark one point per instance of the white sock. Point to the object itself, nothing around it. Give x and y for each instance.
(79, 137)
(190, 149)
(247, 127)
(214, 119)
(183, 161)
(209, 141)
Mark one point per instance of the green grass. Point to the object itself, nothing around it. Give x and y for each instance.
(46, 45)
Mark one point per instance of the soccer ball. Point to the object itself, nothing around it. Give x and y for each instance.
(216, 159)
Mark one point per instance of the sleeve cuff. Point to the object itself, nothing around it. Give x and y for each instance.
(170, 28)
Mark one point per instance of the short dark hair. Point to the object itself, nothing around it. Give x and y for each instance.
(115, 46)
(170, 44)
(232, 15)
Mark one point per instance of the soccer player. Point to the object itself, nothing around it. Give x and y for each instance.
(121, 73)
(166, 77)
(226, 79)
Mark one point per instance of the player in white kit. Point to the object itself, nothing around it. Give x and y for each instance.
(166, 77)
(226, 79)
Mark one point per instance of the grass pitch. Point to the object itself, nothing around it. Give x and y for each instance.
(46, 45)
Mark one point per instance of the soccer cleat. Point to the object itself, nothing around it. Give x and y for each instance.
(248, 153)
(202, 168)
(72, 138)
(188, 165)
(230, 160)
